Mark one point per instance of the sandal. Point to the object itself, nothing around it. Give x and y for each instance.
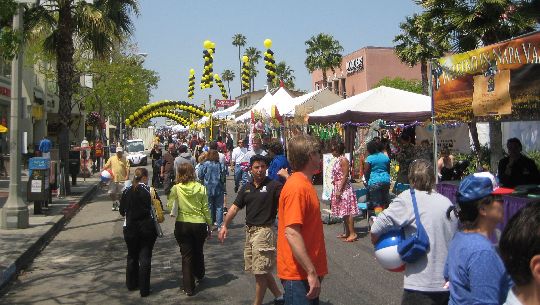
(350, 240)
(342, 236)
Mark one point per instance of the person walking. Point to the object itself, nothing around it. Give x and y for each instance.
(474, 270)
(139, 232)
(377, 175)
(301, 252)
(167, 168)
(278, 161)
(423, 280)
(260, 198)
(256, 149)
(343, 198)
(237, 160)
(183, 157)
(119, 166)
(189, 202)
(212, 176)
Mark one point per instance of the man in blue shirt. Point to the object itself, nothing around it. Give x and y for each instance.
(45, 147)
(278, 161)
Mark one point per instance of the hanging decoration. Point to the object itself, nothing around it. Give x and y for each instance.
(245, 73)
(208, 56)
(164, 107)
(191, 84)
(327, 132)
(269, 62)
(219, 83)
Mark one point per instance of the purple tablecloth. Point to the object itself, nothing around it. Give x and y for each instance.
(512, 204)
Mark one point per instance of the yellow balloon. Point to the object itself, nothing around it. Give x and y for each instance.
(207, 44)
(210, 51)
(131, 117)
(267, 43)
(192, 71)
(127, 121)
(216, 77)
(245, 58)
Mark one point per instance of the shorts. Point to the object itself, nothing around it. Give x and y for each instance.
(260, 249)
(116, 188)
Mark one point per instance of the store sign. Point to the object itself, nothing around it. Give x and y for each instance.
(355, 65)
(5, 91)
(225, 103)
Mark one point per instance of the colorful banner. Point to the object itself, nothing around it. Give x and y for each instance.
(225, 103)
(498, 80)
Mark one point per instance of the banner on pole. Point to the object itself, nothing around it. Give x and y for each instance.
(455, 138)
(501, 80)
(225, 103)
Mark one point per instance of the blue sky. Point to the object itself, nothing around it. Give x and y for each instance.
(172, 33)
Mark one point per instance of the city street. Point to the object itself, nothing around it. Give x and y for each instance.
(85, 264)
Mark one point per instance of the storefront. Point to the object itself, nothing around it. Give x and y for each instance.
(363, 69)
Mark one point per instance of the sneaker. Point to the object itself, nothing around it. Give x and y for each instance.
(279, 301)
(115, 206)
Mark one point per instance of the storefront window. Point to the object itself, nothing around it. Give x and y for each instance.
(5, 68)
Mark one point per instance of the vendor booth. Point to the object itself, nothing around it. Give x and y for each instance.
(500, 82)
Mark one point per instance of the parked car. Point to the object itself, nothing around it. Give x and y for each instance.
(135, 152)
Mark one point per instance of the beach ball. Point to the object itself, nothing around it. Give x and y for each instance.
(106, 176)
(386, 251)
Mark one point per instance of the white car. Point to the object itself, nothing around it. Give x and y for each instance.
(135, 152)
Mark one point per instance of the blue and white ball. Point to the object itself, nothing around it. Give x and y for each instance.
(106, 176)
(386, 251)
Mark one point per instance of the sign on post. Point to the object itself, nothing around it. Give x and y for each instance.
(225, 103)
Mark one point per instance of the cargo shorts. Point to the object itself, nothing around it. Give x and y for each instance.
(260, 249)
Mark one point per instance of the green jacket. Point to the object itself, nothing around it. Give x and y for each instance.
(192, 202)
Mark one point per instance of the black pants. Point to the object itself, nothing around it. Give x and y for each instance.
(191, 237)
(414, 297)
(139, 259)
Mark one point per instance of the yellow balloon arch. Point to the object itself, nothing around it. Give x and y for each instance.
(165, 108)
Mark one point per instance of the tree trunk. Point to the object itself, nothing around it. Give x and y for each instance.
(229, 87)
(425, 81)
(323, 78)
(476, 144)
(64, 67)
(495, 145)
(240, 59)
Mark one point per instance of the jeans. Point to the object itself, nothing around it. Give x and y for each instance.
(139, 259)
(238, 173)
(215, 205)
(379, 194)
(191, 237)
(413, 297)
(295, 293)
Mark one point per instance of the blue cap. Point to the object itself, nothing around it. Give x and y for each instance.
(478, 186)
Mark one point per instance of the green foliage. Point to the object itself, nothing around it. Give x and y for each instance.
(401, 83)
(9, 40)
(324, 53)
(535, 155)
(120, 86)
(472, 158)
(284, 73)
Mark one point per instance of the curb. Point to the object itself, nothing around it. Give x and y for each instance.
(26, 258)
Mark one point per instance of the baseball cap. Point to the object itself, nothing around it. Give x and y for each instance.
(119, 149)
(479, 185)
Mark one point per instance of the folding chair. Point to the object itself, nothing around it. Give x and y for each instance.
(364, 205)
(400, 187)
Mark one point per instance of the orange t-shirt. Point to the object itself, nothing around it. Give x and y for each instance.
(299, 204)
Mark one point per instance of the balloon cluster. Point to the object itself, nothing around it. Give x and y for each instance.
(191, 84)
(269, 62)
(208, 56)
(246, 78)
(219, 82)
(164, 108)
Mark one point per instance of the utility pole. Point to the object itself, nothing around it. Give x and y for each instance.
(15, 213)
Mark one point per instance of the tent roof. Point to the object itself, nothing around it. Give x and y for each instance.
(384, 103)
(288, 110)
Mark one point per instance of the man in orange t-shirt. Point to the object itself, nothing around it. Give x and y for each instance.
(301, 253)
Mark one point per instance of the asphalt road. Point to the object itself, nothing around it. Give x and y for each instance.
(85, 264)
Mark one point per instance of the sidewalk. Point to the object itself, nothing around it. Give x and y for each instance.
(19, 247)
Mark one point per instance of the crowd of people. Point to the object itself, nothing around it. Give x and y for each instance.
(461, 266)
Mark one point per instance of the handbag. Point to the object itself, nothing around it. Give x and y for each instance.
(156, 205)
(416, 246)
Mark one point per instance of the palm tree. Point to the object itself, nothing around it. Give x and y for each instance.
(254, 56)
(323, 52)
(228, 76)
(284, 73)
(239, 40)
(97, 27)
(417, 44)
(477, 23)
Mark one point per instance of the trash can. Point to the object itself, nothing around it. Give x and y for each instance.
(74, 165)
(38, 188)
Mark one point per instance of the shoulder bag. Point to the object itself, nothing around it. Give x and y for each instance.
(413, 248)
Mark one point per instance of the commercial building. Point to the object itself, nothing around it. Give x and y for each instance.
(362, 69)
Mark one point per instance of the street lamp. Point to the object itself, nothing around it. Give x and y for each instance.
(14, 214)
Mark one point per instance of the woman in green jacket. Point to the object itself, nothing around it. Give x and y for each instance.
(189, 203)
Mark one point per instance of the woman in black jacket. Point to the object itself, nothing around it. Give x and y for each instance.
(139, 232)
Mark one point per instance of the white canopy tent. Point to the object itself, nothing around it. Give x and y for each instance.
(221, 114)
(310, 102)
(384, 103)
